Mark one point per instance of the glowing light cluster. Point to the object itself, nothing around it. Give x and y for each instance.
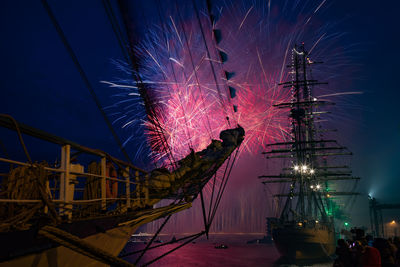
(304, 169)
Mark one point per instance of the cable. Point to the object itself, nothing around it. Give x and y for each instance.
(209, 56)
(150, 110)
(224, 186)
(212, 18)
(115, 26)
(84, 77)
(194, 68)
(126, 50)
(173, 72)
(152, 239)
(19, 136)
(169, 252)
(206, 226)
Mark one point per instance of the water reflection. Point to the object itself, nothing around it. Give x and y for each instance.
(202, 253)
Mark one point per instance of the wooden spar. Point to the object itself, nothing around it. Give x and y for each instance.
(301, 142)
(316, 154)
(295, 150)
(322, 193)
(319, 174)
(318, 179)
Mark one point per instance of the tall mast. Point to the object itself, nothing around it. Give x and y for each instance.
(309, 173)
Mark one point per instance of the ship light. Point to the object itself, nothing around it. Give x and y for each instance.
(393, 222)
(318, 186)
(311, 186)
(304, 168)
(316, 221)
(300, 224)
(312, 171)
(327, 195)
(296, 167)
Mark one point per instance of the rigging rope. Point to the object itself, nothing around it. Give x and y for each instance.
(174, 74)
(21, 140)
(84, 77)
(221, 60)
(169, 252)
(116, 29)
(218, 200)
(193, 66)
(161, 245)
(150, 110)
(212, 195)
(153, 238)
(209, 57)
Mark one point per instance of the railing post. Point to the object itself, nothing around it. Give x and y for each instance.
(138, 189)
(48, 192)
(127, 188)
(146, 190)
(103, 184)
(65, 181)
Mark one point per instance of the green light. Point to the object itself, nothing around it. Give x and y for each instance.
(346, 224)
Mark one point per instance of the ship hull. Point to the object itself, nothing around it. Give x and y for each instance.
(304, 244)
(112, 241)
(108, 235)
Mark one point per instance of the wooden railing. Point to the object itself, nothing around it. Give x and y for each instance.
(66, 182)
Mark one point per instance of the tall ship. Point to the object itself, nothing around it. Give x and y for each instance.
(313, 167)
(82, 210)
(79, 206)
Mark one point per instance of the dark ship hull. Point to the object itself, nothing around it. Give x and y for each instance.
(304, 244)
(73, 214)
(105, 234)
(112, 241)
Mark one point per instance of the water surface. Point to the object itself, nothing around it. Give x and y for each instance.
(204, 254)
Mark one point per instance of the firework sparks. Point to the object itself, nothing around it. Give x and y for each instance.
(191, 105)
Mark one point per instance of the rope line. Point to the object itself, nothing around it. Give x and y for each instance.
(116, 29)
(129, 57)
(193, 66)
(174, 75)
(169, 252)
(209, 56)
(84, 77)
(224, 186)
(153, 238)
(21, 140)
(150, 110)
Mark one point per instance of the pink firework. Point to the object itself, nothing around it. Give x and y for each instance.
(191, 105)
(185, 74)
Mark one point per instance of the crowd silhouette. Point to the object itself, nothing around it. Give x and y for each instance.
(366, 251)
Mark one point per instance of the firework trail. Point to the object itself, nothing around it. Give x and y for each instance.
(191, 106)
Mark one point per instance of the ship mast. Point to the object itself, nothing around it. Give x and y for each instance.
(309, 173)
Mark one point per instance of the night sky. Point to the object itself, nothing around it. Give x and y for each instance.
(42, 88)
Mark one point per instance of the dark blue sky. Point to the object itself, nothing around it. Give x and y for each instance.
(41, 87)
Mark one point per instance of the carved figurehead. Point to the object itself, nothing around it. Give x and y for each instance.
(197, 168)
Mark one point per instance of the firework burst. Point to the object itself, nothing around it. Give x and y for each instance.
(192, 98)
